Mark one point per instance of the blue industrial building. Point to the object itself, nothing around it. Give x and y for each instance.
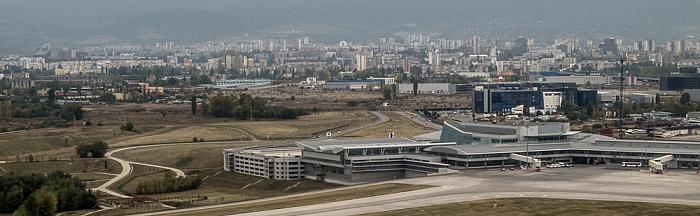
(503, 97)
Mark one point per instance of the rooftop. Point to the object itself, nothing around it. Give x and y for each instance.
(329, 143)
(268, 151)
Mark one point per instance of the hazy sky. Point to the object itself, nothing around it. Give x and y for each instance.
(29, 23)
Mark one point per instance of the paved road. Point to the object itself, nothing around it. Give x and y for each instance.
(127, 169)
(381, 120)
(594, 183)
(420, 120)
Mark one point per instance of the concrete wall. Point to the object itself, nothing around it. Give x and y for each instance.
(694, 94)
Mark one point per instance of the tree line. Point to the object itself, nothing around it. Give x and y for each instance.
(169, 183)
(97, 149)
(245, 106)
(36, 194)
(21, 108)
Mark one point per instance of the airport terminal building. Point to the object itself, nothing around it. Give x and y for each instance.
(457, 146)
(369, 160)
(484, 145)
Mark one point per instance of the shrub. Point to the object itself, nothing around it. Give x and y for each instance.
(127, 127)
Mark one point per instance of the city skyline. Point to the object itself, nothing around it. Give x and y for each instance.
(79, 23)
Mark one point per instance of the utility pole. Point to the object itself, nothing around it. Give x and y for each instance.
(622, 97)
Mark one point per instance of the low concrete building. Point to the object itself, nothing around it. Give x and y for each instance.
(428, 88)
(580, 80)
(266, 162)
(21, 80)
(694, 94)
(368, 160)
(642, 98)
(353, 85)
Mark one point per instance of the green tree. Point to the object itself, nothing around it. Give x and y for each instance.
(388, 92)
(82, 150)
(685, 98)
(657, 100)
(205, 107)
(127, 127)
(590, 108)
(6, 110)
(98, 149)
(193, 102)
(52, 95)
(107, 98)
(415, 85)
(526, 107)
(41, 202)
(72, 111)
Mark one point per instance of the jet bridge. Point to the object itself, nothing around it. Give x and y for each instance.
(657, 164)
(527, 159)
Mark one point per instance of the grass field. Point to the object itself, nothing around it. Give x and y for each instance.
(401, 127)
(333, 196)
(78, 165)
(138, 173)
(226, 187)
(185, 134)
(306, 126)
(191, 156)
(25, 142)
(544, 206)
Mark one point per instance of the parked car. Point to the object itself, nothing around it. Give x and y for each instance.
(553, 165)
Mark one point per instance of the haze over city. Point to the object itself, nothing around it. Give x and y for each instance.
(28, 24)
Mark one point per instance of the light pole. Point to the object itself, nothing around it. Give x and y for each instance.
(622, 97)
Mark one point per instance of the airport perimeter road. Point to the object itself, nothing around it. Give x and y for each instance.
(587, 182)
(381, 120)
(420, 120)
(127, 168)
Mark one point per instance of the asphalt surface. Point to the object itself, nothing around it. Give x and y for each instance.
(420, 120)
(587, 182)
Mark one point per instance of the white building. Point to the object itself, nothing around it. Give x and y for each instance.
(266, 162)
(384, 80)
(551, 100)
(360, 62)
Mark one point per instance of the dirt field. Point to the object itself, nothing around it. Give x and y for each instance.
(544, 206)
(326, 197)
(25, 142)
(401, 127)
(337, 100)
